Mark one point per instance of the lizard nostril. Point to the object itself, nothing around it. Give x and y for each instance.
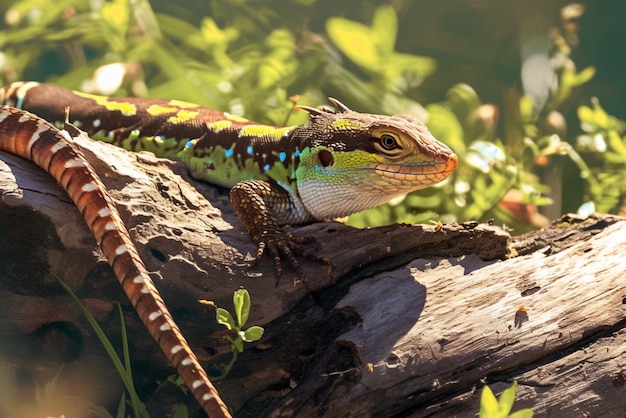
(326, 158)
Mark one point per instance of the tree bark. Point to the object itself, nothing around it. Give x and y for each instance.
(410, 321)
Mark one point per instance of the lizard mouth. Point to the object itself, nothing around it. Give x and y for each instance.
(428, 172)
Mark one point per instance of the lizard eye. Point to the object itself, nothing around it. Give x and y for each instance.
(388, 142)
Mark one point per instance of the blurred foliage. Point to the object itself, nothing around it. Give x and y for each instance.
(255, 58)
(603, 145)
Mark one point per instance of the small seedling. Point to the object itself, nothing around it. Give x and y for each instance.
(241, 301)
(492, 407)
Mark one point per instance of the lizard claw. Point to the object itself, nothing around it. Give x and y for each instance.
(285, 246)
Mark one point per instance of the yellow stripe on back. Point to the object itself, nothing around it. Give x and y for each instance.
(127, 109)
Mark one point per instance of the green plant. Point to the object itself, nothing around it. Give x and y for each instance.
(241, 302)
(603, 143)
(492, 407)
(372, 49)
(123, 368)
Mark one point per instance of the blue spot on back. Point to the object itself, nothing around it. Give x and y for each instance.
(249, 150)
(190, 143)
(282, 156)
(229, 152)
(266, 167)
(296, 153)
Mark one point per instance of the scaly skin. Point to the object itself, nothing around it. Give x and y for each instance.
(337, 164)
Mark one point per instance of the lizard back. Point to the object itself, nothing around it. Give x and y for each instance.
(215, 146)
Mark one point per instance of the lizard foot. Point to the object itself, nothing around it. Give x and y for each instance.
(253, 201)
(286, 246)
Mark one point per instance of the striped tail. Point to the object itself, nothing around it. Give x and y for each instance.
(26, 135)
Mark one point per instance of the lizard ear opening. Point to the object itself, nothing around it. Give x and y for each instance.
(325, 158)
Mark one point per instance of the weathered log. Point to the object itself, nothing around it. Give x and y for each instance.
(375, 337)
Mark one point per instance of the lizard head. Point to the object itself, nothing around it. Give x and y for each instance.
(352, 161)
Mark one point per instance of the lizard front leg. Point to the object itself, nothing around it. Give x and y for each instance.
(254, 201)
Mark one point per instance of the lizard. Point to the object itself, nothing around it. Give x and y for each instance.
(338, 163)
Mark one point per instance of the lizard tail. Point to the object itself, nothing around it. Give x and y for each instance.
(30, 137)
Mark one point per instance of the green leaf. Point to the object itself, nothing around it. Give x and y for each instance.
(398, 64)
(100, 411)
(488, 404)
(600, 117)
(541, 201)
(355, 40)
(526, 108)
(569, 80)
(279, 62)
(241, 300)
(585, 114)
(443, 123)
(583, 76)
(225, 318)
(522, 413)
(213, 35)
(372, 48)
(252, 334)
(121, 407)
(464, 102)
(617, 145)
(385, 28)
(181, 412)
(115, 17)
(506, 399)
(422, 201)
